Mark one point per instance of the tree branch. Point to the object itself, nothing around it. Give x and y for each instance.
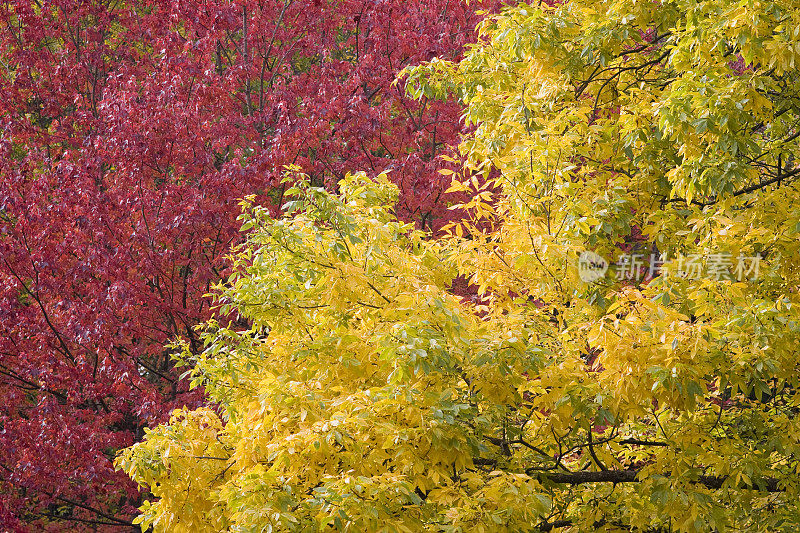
(745, 190)
(630, 476)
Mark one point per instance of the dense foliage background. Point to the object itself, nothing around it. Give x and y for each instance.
(339, 382)
(128, 132)
(653, 146)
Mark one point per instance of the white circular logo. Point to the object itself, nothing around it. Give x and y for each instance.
(591, 267)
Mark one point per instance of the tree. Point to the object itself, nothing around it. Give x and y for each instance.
(658, 395)
(128, 133)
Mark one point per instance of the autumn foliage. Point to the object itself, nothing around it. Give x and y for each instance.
(627, 366)
(128, 133)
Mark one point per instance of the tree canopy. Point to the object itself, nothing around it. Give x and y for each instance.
(128, 133)
(629, 361)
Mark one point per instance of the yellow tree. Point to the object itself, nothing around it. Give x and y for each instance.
(630, 360)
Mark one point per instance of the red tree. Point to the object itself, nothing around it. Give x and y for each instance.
(128, 131)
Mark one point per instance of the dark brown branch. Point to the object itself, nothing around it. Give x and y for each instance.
(745, 190)
(638, 442)
(591, 451)
(602, 476)
(556, 524)
(629, 476)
